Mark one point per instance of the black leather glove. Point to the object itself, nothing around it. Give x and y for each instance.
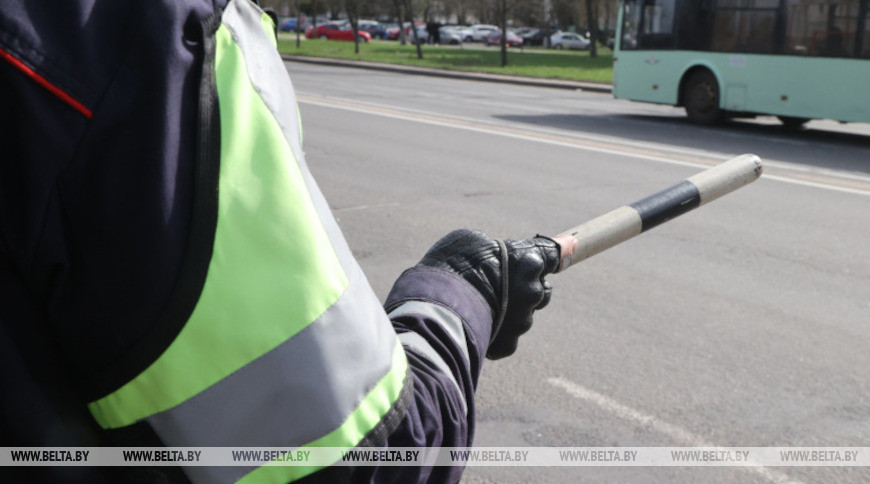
(509, 274)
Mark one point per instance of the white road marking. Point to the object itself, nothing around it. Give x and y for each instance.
(620, 148)
(675, 432)
(365, 207)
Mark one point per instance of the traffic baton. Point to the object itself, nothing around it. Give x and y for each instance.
(612, 228)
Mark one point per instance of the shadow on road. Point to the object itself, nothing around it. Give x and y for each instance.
(810, 146)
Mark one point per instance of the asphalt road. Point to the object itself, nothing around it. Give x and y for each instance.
(744, 323)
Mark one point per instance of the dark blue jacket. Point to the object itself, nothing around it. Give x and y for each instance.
(98, 119)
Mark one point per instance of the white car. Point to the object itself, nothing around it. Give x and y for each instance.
(422, 34)
(478, 32)
(568, 40)
(451, 35)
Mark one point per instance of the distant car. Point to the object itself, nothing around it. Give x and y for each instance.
(494, 38)
(568, 40)
(289, 24)
(463, 31)
(370, 26)
(451, 35)
(336, 31)
(384, 30)
(422, 33)
(521, 31)
(478, 32)
(392, 32)
(534, 37)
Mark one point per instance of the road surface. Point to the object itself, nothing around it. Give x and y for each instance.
(743, 323)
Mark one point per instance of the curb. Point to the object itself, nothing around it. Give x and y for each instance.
(474, 76)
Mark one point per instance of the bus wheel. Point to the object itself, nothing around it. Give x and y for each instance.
(791, 122)
(701, 98)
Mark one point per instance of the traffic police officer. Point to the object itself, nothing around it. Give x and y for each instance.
(170, 273)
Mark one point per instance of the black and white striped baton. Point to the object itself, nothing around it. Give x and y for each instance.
(612, 228)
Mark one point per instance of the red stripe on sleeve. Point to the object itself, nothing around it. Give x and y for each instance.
(46, 84)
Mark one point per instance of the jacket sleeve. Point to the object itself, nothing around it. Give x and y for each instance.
(444, 325)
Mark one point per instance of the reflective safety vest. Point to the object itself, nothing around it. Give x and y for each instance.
(284, 343)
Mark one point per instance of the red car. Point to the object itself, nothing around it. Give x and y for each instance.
(494, 38)
(336, 31)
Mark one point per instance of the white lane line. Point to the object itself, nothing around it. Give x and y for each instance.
(675, 432)
(481, 128)
(439, 120)
(408, 114)
(365, 207)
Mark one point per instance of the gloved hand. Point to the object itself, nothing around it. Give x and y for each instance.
(509, 274)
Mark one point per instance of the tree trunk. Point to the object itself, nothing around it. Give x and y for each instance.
(503, 26)
(400, 9)
(414, 29)
(298, 24)
(314, 19)
(592, 24)
(353, 16)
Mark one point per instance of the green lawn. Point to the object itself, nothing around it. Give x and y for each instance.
(532, 62)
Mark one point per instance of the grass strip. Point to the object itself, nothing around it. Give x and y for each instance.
(529, 62)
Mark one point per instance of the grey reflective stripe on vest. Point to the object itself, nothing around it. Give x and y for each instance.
(447, 319)
(417, 343)
(296, 393)
(265, 67)
(280, 98)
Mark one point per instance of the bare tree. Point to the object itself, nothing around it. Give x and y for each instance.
(409, 10)
(333, 8)
(503, 10)
(314, 18)
(352, 9)
(592, 25)
(298, 25)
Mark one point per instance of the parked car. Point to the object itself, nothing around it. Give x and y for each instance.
(477, 32)
(392, 32)
(451, 35)
(521, 31)
(494, 38)
(533, 37)
(289, 24)
(336, 31)
(568, 40)
(463, 31)
(370, 26)
(422, 33)
(383, 31)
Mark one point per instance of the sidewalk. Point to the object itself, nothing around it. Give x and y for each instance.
(473, 76)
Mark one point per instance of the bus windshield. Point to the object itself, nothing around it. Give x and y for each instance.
(797, 59)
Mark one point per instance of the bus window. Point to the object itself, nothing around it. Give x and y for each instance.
(694, 24)
(630, 25)
(648, 24)
(658, 25)
(745, 26)
(823, 28)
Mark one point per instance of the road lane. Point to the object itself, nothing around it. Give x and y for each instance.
(743, 323)
(783, 171)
